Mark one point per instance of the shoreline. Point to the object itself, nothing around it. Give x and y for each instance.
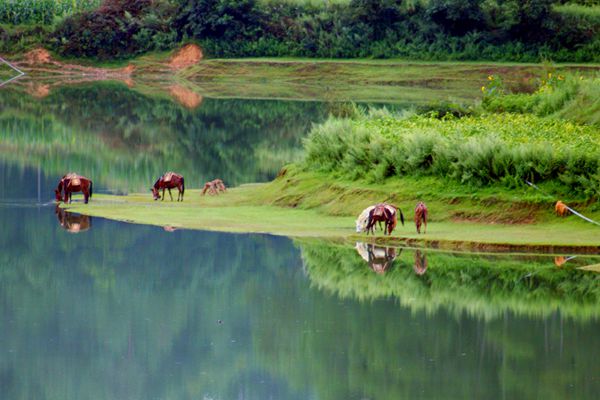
(248, 209)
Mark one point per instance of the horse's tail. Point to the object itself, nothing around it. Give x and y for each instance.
(401, 216)
(182, 186)
(91, 188)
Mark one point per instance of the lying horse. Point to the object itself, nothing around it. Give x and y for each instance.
(386, 213)
(169, 181)
(71, 183)
(421, 216)
(214, 187)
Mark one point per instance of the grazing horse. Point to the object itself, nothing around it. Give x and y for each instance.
(73, 182)
(214, 187)
(561, 209)
(363, 219)
(386, 213)
(421, 217)
(169, 181)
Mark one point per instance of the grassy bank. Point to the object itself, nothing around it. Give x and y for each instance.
(311, 205)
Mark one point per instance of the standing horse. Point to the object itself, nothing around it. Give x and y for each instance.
(386, 213)
(169, 181)
(421, 217)
(71, 183)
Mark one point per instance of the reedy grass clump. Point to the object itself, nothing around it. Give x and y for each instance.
(504, 149)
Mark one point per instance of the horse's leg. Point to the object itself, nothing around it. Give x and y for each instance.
(170, 195)
(163, 196)
(86, 195)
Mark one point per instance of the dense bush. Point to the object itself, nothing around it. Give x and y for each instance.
(438, 29)
(117, 29)
(500, 30)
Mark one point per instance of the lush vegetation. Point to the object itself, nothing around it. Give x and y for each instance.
(477, 150)
(560, 96)
(432, 30)
(42, 12)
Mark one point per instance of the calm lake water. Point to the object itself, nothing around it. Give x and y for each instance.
(95, 309)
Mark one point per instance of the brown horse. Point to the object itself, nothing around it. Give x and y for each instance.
(561, 209)
(169, 181)
(73, 223)
(386, 213)
(421, 216)
(71, 183)
(214, 187)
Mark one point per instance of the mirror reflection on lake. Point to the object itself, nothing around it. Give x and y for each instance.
(96, 309)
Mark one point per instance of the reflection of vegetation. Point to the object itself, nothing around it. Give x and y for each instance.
(481, 285)
(126, 139)
(126, 311)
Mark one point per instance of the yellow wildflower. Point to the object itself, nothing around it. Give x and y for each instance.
(483, 88)
(490, 78)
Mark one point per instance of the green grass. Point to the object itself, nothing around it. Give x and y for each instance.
(309, 205)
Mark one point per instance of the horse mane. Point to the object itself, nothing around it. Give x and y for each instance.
(156, 183)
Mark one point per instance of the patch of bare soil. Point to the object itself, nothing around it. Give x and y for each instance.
(185, 97)
(37, 56)
(188, 55)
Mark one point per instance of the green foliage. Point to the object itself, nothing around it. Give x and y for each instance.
(23, 37)
(566, 96)
(118, 29)
(491, 149)
(41, 12)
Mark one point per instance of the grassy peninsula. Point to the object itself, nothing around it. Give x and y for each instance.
(469, 164)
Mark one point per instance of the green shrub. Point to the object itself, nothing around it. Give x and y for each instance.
(118, 29)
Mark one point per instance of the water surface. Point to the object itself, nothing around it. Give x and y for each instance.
(96, 309)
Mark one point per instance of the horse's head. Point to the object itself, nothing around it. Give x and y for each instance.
(155, 193)
(361, 224)
(363, 220)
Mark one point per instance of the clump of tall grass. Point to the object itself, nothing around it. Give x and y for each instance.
(42, 12)
(492, 149)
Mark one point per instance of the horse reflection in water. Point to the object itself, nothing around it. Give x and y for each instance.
(379, 258)
(420, 262)
(73, 223)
